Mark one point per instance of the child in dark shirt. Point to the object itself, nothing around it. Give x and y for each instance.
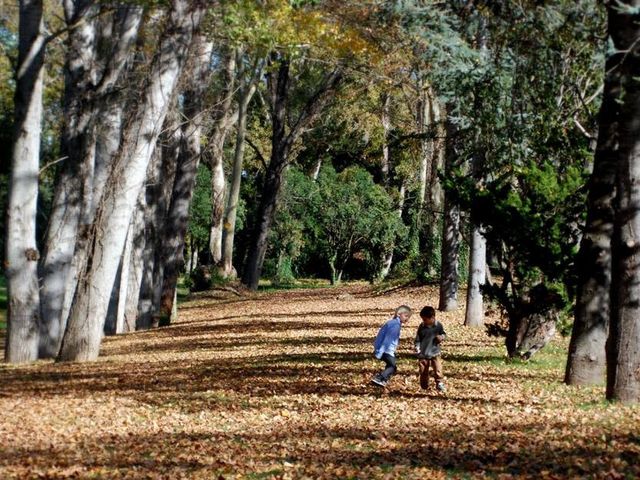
(428, 339)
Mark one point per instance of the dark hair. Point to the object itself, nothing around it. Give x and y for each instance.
(428, 312)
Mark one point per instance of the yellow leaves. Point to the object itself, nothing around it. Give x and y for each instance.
(276, 24)
(276, 386)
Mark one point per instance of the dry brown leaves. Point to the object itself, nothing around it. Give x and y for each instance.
(276, 386)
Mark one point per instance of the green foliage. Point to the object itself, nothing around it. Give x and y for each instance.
(336, 218)
(200, 209)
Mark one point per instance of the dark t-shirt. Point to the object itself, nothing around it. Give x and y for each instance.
(425, 340)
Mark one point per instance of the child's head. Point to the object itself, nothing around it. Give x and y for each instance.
(403, 312)
(428, 315)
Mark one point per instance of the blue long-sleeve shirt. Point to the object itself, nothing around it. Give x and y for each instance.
(388, 338)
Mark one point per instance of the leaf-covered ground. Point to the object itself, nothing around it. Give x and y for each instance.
(276, 385)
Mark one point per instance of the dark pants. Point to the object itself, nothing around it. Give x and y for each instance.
(390, 366)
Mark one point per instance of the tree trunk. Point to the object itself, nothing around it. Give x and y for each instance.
(281, 143)
(388, 260)
(270, 191)
(450, 238)
(534, 332)
(623, 345)
(385, 119)
(185, 178)
(136, 267)
(385, 169)
(71, 189)
(83, 334)
(160, 178)
(89, 93)
(224, 120)
(123, 283)
(434, 197)
(474, 315)
(236, 179)
(586, 362)
(21, 249)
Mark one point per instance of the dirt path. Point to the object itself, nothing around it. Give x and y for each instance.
(276, 386)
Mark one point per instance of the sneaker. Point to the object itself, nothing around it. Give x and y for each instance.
(379, 381)
(440, 386)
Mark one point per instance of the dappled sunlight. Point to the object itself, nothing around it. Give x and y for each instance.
(279, 388)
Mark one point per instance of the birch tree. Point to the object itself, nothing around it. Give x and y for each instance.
(224, 118)
(21, 250)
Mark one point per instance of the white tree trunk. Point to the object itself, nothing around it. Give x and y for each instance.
(236, 179)
(224, 120)
(71, 189)
(21, 250)
(136, 267)
(91, 147)
(474, 315)
(84, 330)
(218, 186)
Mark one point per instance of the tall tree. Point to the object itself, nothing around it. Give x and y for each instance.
(586, 362)
(246, 93)
(175, 226)
(108, 234)
(623, 345)
(224, 118)
(450, 235)
(282, 140)
(21, 250)
(97, 50)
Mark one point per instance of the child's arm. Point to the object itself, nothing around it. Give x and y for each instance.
(441, 333)
(391, 339)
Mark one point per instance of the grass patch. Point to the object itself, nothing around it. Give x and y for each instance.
(269, 286)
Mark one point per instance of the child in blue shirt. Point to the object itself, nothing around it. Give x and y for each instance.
(386, 343)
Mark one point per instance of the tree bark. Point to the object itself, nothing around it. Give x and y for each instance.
(474, 314)
(236, 178)
(21, 249)
(107, 237)
(175, 226)
(76, 146)
(450, 238)
(224, 120)
(158, 190)
(90, 147)
(136, 238)
(586, 362)
(623, 345)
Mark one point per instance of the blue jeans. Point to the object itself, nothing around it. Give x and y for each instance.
(390, 366)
